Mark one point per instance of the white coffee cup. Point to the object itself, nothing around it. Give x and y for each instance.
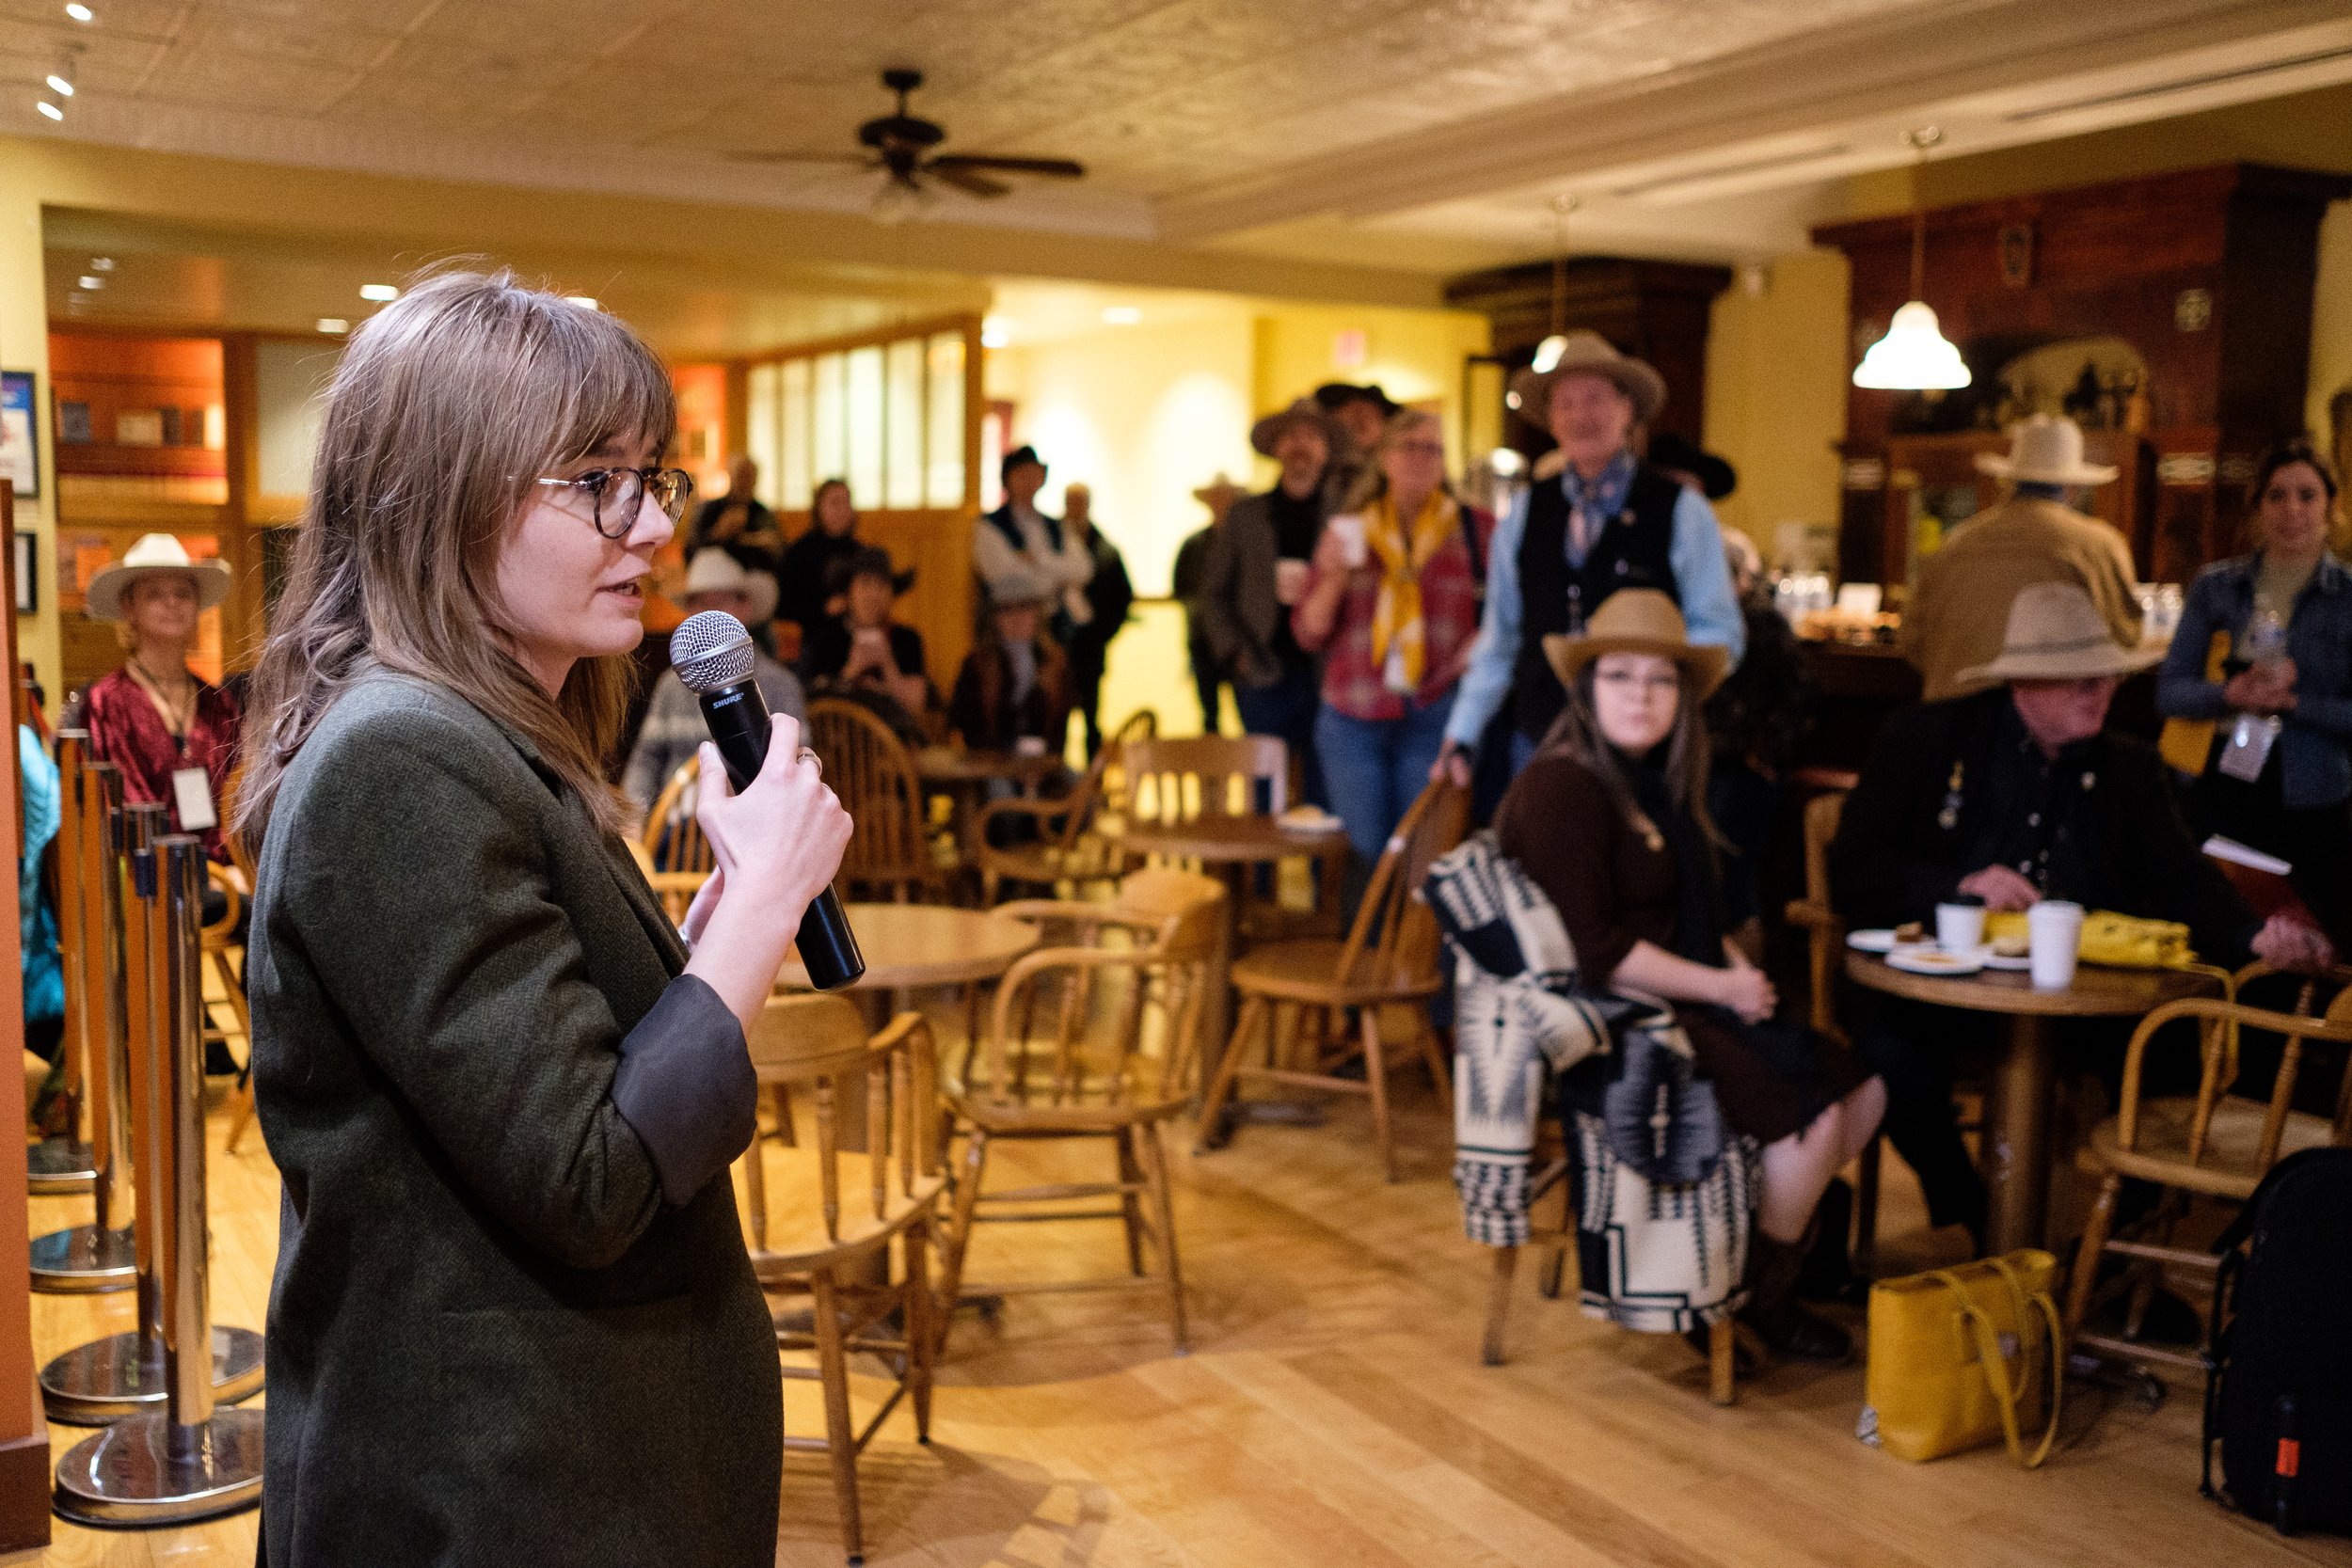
(1349, 529)
(2054, 938)
(1959, 927)
(1290, 581)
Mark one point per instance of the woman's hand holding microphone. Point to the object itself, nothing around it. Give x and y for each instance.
(777, 846)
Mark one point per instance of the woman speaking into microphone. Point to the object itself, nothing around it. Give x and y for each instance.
(513, 1318)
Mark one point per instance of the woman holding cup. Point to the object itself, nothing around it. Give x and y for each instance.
(1390, 602)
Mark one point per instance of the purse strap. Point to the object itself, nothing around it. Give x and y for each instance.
(2006, 1394)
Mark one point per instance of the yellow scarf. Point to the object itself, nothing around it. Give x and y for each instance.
(1396, 617)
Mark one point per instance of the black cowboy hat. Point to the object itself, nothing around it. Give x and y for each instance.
(867, 560)
(1717, 478)
(1332, 396)
(1014, 459)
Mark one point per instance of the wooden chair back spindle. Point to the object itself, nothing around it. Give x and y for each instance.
(874, 774)
(1175, 781)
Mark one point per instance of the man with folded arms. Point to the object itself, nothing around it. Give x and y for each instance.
(2016, 793)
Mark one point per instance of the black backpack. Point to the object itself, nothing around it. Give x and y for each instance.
(2279, 1383)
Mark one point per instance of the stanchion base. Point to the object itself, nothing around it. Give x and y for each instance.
(109, 1379)
(145, 1471)
(59, 1166)
(85, 1259)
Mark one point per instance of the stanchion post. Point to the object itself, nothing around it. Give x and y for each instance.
(192, 1459)
(61, 1164)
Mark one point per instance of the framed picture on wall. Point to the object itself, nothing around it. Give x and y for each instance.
(19, 452)
(26, 566)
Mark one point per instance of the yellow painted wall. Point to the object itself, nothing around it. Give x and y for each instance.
(24, 346)
(2332, 318)
(1411, 355)
(1776, 397)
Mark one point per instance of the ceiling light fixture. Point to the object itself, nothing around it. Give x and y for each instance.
(1120, 315)
(333, 325)
(995, 332)
(60, 86)
(79, 12)
(89, 281)
(1548, 352)
(50, 109)
(1915, 356)
(898, 200)
(102, 263)
(379, 291)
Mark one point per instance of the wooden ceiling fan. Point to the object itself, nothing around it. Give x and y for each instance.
(901, 145)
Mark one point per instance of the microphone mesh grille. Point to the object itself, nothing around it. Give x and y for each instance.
(709, 650)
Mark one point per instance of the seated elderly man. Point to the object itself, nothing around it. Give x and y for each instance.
(673, 725)
(2013, 794)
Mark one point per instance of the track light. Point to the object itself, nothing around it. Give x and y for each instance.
(79, 12)
(51, 109)
(60, 86)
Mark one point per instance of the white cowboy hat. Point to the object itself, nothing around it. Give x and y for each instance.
(2056, 634)
(2045, 449)
(714, 571)
(1587, 353)
(154, 555)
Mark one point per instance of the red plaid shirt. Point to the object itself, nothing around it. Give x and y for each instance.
(1449, 612)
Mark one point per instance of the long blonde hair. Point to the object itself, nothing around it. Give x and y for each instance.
(448, 404)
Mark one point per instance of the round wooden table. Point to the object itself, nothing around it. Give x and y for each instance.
(907, 946)
(2016, 1146)
(1230, 845)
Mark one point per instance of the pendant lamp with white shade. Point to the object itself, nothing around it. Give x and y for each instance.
(1915, 356)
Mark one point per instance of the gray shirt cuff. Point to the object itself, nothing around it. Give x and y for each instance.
(686, 1086)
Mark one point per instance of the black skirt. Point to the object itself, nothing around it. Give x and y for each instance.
(1771, 1078)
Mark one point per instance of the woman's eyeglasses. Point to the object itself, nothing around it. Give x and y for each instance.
(614, 494)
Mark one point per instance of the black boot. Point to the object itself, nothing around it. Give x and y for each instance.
(1787, 1328)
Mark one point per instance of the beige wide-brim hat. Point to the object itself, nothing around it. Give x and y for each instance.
(1219, 492)
(1587, 353)
(2045, 449)
(1269, 430)
(1638, 621)
(714, 571)
(2056, 634)
(155, 555)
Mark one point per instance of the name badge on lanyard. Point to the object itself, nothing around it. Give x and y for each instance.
(192, 792)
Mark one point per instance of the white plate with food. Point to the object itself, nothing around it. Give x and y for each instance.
(1995, 958)
(1934, 960)
(1880, 939)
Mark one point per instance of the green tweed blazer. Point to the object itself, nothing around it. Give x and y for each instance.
(512, 1321)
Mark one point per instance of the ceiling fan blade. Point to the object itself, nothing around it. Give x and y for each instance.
(967, 180)
(1051, 168)
(855, 160)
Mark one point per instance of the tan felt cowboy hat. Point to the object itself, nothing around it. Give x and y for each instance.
(2045, 449)
(1638, 621)
(714, 571)
(1219, 492)
(2056, 634)
(153, 556)
(1586, 353)
(1269, 430)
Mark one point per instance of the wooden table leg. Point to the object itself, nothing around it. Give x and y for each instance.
(2016, 1148)
(1217, 1009)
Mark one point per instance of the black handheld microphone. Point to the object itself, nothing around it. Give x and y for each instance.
(712, 654)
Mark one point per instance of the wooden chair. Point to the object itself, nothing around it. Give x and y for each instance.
(816, 1049)
(1207, 775)
(1825, 944)
(1099, 1074)
(1066, 853)
(870, 768)
(2211, 1144)
(1389, 959)
(672, 851)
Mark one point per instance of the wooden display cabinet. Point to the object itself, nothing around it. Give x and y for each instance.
(1932, 483)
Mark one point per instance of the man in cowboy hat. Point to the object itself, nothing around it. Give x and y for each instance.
(1359, 414)
(673, 725)
(1608, 521)
(867, 650)
(1952, 623)
(2017, 793)
(1184, 579)
(1017, 538)
(1257, 570)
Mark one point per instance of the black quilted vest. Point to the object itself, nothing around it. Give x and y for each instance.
(1635, 551)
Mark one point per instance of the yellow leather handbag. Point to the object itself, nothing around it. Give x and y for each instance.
(1960, 1357)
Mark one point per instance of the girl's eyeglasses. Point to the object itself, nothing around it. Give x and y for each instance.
(614, 494)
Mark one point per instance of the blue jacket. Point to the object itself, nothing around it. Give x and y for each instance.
(2315, 747)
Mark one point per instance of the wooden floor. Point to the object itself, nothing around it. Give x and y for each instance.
(1334, 1412)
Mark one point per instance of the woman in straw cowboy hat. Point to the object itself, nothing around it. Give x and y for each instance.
(1953, 619)
(1607, 522)
(1610, 819)
(2017, 793)
(173, 734)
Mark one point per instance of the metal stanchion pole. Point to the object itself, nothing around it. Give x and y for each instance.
(62, 1164)
(190, 1460)
(125, 1374)
(100, 1256)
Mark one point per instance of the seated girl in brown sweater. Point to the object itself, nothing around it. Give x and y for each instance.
(1609, 818)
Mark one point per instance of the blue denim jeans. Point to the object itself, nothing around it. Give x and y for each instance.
(1287, 708)
(1373, 767)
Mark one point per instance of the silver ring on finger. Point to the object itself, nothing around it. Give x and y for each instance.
(809, 754)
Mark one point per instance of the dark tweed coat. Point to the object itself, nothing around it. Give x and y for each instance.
(509, 1324)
